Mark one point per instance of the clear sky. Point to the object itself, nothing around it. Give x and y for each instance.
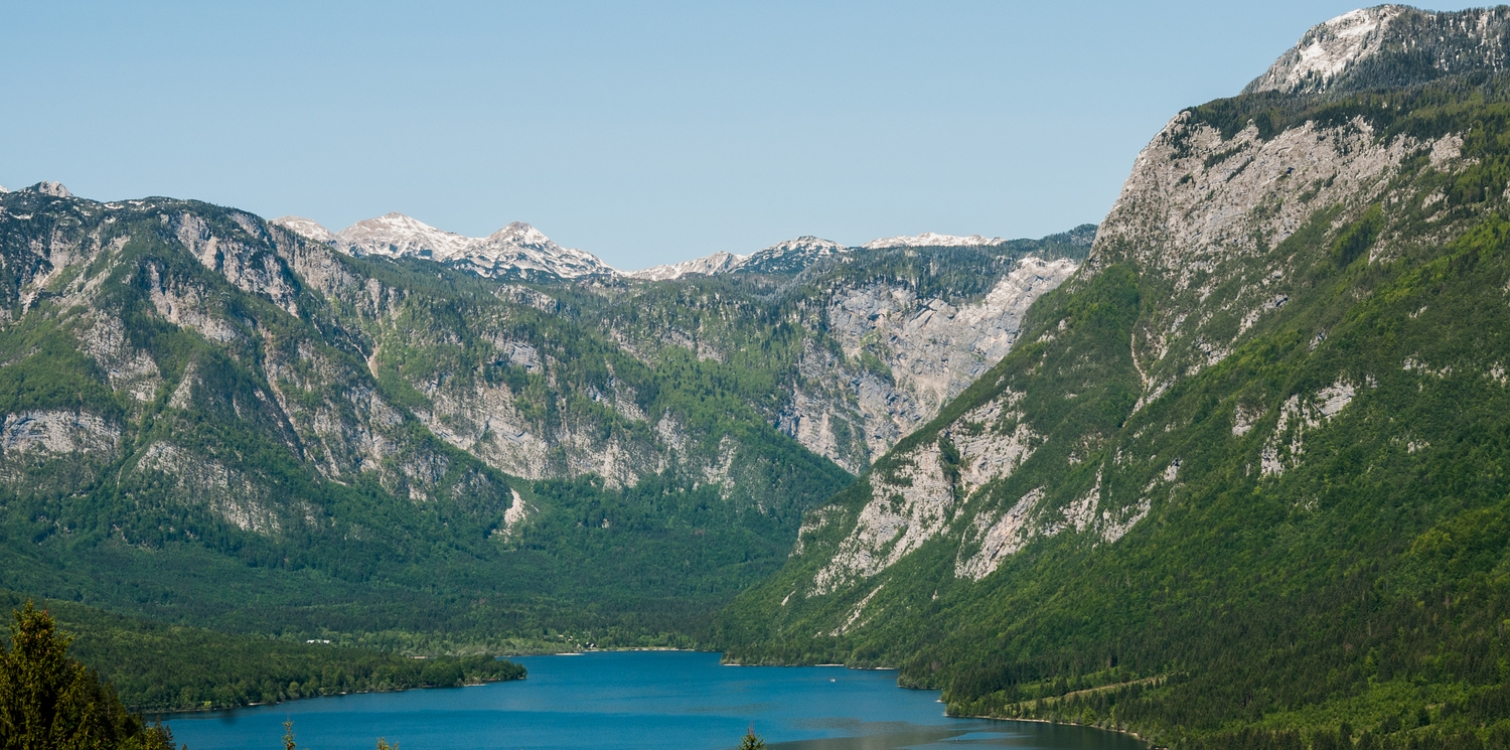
(645, 132)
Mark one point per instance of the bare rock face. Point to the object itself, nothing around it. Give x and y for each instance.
(55, 431)
(1205, 214)
(927, 350)
(52, 189)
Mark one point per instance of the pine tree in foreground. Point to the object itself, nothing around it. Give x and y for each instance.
(49, 700)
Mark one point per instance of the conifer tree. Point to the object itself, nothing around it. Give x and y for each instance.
(751, 740)
(48, 700)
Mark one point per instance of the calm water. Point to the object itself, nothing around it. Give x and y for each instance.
(637, 700)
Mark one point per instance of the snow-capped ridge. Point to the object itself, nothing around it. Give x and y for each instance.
(520, 249)
(709, 265)
(516, 249)
(395, 235)
(805, 243)
(931, 239)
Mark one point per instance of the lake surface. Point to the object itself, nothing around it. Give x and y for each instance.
(633, 700)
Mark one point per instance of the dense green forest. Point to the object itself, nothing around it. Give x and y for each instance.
(157, 667)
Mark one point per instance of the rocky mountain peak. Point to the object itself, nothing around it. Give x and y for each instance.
(790, 256)
(306, 227)
(719, 262)
(1388, 45)
(54, 189)
(396, 235)
(520, 233)
(517, 249)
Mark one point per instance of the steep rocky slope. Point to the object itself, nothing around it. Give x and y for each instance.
(1246, 466)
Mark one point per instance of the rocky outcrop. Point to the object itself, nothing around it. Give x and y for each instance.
(56, 432)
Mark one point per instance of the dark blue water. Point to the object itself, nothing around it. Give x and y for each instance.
(636, 700)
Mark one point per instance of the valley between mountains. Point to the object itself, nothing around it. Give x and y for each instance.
(1231, 469)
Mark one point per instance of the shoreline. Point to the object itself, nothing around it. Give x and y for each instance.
(1127, 732)
(164, 713)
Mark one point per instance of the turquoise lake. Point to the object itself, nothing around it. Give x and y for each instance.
(636, 700)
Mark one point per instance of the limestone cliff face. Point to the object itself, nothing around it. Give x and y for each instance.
(929, 350)
(1202, 216)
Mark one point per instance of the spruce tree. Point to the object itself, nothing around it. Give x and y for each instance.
(752, 741)
(48, 700)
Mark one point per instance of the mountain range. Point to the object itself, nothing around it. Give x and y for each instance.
(521, 251)
(1231, 469)
(394, 435)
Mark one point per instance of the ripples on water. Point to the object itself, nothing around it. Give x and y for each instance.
(633, 700)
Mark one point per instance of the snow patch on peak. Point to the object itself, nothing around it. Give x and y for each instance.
(805, 243)
(395, 235)
(520, 233)
(932, 239)
(308, 228)
(521, 247)
(515, 249)
(717, 263)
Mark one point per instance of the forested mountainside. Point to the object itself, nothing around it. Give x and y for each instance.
(214, 420)
(1245, 479)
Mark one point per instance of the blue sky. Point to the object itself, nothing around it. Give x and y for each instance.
(643, 132)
